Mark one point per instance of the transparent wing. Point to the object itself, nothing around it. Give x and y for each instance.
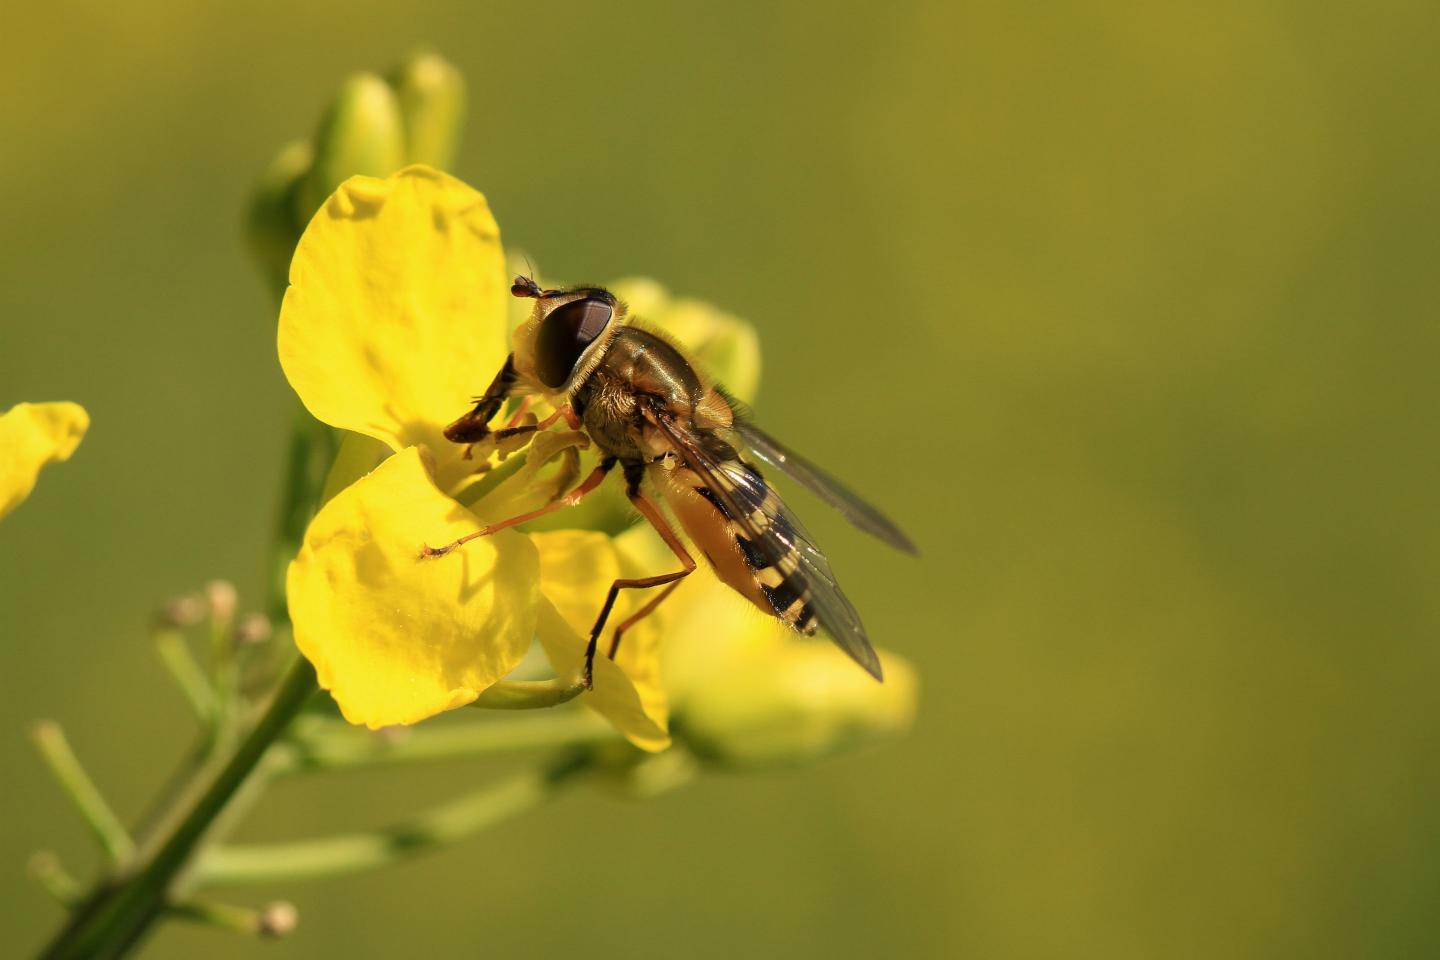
(851, 506)
(777, 536)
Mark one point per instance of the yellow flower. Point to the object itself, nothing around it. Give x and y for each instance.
(395, 318)
(33, 435)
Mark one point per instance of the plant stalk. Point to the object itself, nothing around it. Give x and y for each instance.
(263, 863)
(120, 911)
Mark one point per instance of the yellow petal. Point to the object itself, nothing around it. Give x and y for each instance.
(396, 638)
(31, 436)
(396, 312)
(576, 570)
(357, 456)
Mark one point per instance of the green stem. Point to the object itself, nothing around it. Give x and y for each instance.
(55, 750)
(275, 920)
(119, 913)
(223, 915)
(330, 745)
(348, 853)
(312, 449)
(186, 673)
(226, 680)
(46, 870)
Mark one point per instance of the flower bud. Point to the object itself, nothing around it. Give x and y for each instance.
(220, 597)
(278, 919)
(182, 611)
(271, 228)
(804, 704)
(431, 93)
(361, 134)
(632, 774)
(252, 630)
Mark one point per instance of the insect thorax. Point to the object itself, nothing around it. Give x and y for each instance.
(638, 368)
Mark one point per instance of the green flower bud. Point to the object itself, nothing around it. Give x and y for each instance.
(792, 703)
(431, 93)
(632, 774)
(271, 229)
(361, 134)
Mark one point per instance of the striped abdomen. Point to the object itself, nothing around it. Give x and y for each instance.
(753, 553)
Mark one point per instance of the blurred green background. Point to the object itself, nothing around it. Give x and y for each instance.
(1127, 311)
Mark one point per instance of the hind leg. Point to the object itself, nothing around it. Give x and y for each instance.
(651, 513)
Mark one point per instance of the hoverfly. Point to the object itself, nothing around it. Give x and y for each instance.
(647, 410)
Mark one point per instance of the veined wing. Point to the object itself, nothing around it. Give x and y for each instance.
(777, 539)
(850, 505)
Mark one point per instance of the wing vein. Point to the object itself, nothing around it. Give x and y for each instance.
(781, 537)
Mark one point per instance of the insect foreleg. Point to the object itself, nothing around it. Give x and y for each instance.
(475, 425)
(569, 500)
(519, 413)
(571, 420)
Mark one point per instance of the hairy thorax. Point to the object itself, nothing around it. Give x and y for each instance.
(612, 416)
(638, 369)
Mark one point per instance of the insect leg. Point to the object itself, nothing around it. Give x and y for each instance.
(519, 413)
(475, 425)
(571, 420)
(569, 500)
(650, 512)
(637, 616)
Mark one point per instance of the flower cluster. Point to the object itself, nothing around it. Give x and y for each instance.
(395, 317)
(395, 312)
(397, 308)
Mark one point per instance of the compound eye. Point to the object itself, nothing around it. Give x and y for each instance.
(565, 334)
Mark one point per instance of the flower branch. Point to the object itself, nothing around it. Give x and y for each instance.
(327, 745)
(55, 750)
(187, 674)
(349, 853)
(393, 296)
(273, 920)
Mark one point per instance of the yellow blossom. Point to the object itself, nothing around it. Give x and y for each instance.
(33, 435)
(394, 319)
(361, 600)
(396, 316)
